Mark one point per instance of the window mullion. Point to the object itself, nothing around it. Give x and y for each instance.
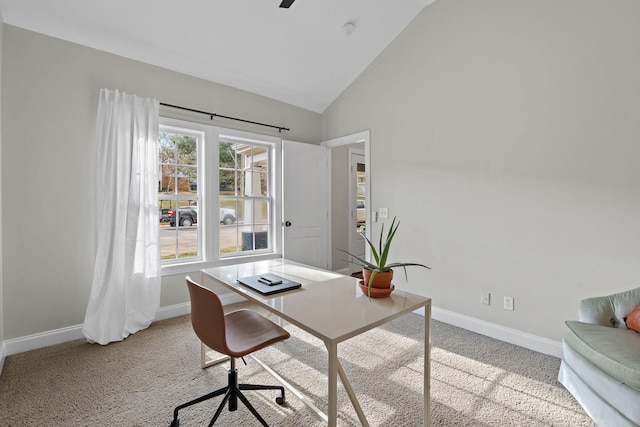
(210, 154)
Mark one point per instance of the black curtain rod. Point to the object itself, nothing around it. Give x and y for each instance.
(212, 115)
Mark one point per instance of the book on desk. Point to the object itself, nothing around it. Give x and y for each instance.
(268, 284)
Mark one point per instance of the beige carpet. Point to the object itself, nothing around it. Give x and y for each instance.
(476, 381)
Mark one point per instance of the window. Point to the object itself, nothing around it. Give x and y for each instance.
(217, 194)
(244, 195)
(178, 194)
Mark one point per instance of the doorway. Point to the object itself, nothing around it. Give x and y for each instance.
(357, 204)
(344, 190)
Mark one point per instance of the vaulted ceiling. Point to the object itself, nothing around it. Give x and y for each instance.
(305, 55)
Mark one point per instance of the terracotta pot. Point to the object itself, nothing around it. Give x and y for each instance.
(375, 292)
(381, 280)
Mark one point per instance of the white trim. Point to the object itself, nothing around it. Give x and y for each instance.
(71, 333)
(43, 339)
(362, 136)
(3, 355)
(502, 333)
(171, 311)
(184, 308)
(191, 267)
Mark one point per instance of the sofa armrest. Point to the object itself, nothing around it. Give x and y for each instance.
(609, 310)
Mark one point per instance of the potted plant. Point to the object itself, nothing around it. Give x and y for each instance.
(379, 274)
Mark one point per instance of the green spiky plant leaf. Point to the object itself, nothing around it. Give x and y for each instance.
(380, 255)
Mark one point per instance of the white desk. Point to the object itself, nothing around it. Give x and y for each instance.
(331, 307)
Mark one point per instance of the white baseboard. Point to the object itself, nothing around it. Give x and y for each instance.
(183, 309)
(71, 333)
(171, 311)
(502, 333)
(43, 339)
(513, 336)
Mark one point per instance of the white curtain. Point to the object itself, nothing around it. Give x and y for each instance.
(125, 293)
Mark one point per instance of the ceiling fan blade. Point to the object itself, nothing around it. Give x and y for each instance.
(286, 3)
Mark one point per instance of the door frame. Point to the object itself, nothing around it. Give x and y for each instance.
(363, 136)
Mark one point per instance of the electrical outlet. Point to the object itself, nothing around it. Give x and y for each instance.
(508, 303)
(485, 298)
(383, 213)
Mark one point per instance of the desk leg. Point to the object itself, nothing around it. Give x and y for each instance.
(427, 366)
(352, 396)
(332, 349)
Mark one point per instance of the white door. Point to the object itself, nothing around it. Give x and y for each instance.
(357, 204)
(305, 182)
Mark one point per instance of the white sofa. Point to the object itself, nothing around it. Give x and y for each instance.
(601, 360)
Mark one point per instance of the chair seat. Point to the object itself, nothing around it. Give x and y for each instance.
(248, 331)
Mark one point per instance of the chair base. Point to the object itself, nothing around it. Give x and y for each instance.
(231, 394)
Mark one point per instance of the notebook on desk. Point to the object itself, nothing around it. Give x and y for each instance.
(268, 283)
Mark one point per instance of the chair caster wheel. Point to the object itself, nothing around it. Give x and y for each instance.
(280, 400)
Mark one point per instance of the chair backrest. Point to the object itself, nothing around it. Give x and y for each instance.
(207, 317)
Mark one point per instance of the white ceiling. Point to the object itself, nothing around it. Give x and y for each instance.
(299, 55)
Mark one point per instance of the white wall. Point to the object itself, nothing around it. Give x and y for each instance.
(505, 136)
(50, 94)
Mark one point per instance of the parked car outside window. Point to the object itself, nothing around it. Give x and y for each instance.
(164, 215)
(188, 216)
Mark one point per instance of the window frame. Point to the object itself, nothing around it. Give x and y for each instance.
(208, 193)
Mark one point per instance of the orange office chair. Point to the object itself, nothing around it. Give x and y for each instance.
(235, 334)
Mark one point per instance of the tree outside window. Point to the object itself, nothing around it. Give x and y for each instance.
(178, 195)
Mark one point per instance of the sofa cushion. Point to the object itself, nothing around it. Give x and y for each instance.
(609, 310)
(614, 350)
(633, 320)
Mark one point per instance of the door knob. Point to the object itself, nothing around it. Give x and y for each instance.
(287, 224)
